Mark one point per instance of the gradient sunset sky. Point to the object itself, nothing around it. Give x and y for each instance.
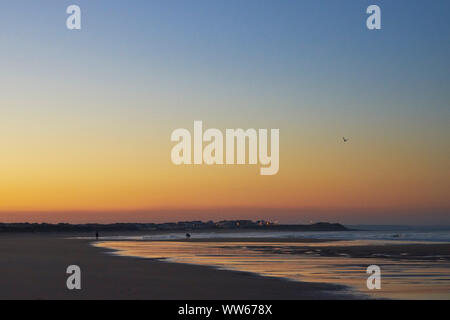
(86, 116)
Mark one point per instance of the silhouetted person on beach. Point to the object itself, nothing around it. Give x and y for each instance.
(96, 236)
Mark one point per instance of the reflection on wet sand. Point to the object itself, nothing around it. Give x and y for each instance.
(409, 271)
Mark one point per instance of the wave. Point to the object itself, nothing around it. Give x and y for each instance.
(422, 236)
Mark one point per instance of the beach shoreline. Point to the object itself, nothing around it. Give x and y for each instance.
(413, 270)
(33, 266)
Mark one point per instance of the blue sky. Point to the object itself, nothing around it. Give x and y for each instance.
(139, 69)
(235, 44)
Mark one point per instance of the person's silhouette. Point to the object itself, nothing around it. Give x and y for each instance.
(96, 236)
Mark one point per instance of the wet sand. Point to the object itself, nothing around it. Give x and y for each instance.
(409, 270)
(33, 266)
(401, 251)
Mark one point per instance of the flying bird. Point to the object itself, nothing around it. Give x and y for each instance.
(345, 139)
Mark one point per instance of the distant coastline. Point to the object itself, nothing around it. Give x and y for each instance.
(260, 225)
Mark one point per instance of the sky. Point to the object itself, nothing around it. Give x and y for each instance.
(86, 115)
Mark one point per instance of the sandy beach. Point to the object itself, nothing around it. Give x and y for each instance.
(33, 266)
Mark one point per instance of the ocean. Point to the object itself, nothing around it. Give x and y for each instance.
(408, 269)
